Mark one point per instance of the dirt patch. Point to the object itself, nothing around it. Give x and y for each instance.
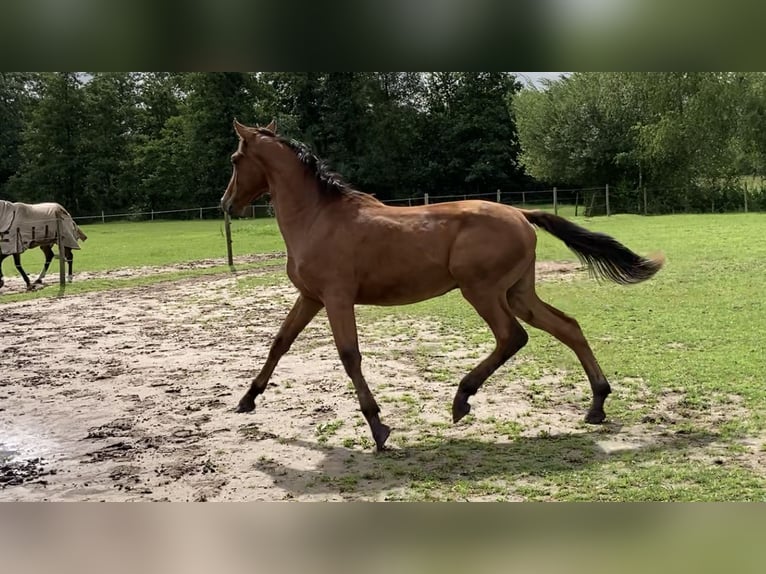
(559, 271)
(129, 395)
(188, 266)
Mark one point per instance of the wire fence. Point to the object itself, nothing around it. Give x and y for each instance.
(583, 201)
(550, 199)
(152, 215)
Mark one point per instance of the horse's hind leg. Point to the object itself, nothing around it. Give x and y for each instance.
(69, 254)
(510, 337)
(48, 251)
(303, 311)
(529, 308)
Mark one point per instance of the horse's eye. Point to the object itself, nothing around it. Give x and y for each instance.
(236, 156)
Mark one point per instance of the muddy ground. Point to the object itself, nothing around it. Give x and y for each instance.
(129, 395)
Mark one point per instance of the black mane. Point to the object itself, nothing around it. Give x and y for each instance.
(330, 182)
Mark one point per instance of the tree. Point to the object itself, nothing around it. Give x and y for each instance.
(13, 103)
(158, 97)
(296, 104)
(475, 145)
(108, 134)
(364, 125)
(51, 167)
(158, 154)
(392, 146)
(750, 147)
(672, 132)
(213, 100)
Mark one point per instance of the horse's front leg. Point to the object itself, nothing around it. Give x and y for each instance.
(48, 251)
(343, 322)
(2, 258)
(303, 311)
(20, 269)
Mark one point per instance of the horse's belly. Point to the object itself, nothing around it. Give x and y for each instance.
(405, 290)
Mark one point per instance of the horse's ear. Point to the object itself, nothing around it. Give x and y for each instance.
(241, 129)
(272, 127)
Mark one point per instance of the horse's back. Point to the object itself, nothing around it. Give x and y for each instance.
(485, 221)
(34, 224)
(398, 255)
(45, 210)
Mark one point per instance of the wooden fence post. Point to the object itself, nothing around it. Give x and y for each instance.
(425, 199)
(227, 227)
(646, 210)
(607, 200)
(555, 201)
(62, 256)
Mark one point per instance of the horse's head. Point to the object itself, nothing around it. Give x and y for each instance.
(248, 180)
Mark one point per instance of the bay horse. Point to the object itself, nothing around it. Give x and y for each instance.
(345, 247)
(24, 226)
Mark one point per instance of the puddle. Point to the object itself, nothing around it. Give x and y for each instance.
(21, 459)
(6, 455)
(24, 442)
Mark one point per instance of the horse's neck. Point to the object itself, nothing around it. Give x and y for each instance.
(297, 203)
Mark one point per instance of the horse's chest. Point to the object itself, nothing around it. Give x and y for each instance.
(303, 278)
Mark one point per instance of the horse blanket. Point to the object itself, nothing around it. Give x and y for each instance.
(23, 226)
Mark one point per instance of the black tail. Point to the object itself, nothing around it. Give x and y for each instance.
(603, 255)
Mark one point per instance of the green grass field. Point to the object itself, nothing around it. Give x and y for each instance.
(120, 245)
(125, 244)
(692, 338)
(689, 343)
(134, 244)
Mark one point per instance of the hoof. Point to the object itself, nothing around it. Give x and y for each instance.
(246, 405)
(595, 417)
(380, 434)
(460, 408)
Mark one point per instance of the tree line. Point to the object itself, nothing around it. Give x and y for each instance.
(123, 142)
(141, 141)
(677, 141)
